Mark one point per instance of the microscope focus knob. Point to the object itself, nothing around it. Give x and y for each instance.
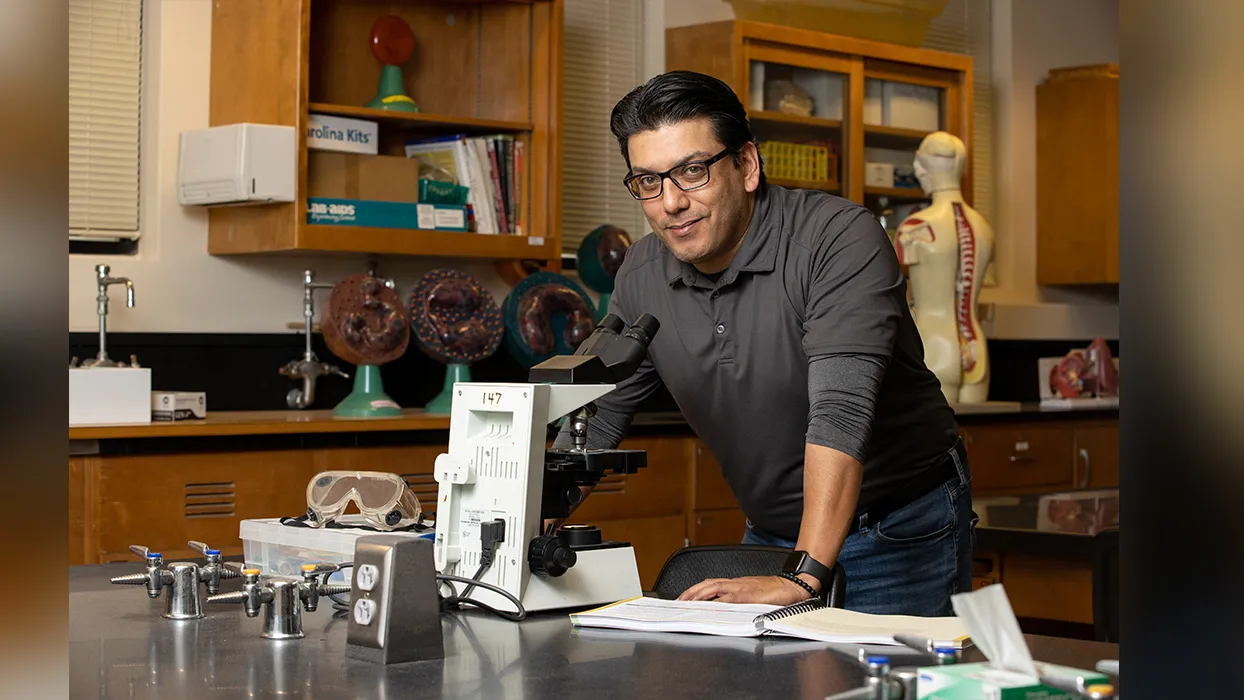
(548, 556)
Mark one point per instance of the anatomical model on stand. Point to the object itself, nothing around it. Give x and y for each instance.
(945, 250)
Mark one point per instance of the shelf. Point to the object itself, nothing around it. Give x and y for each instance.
(422, 120)
(896, 192)
(894, 137)
(823, 185)
(780, 118)
(449, 244)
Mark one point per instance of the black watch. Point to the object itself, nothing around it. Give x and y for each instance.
(798, 562)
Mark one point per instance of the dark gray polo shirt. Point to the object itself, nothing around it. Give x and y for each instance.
(816, 275)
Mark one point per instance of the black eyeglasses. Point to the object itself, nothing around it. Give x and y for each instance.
(688, 176)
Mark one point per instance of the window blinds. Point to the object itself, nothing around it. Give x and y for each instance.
(603, 61)
(964, 27)
(105, 97)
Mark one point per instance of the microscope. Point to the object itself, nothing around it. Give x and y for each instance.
(498, 483)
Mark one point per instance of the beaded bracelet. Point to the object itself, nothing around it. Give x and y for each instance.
(792, 577)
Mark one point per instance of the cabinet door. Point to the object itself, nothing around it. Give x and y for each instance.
(710, 489)
(1019, 459)
(724, 526)
(903, 104)
(798, 101)
(1097, 457)
(654, 540)
(1078, 176)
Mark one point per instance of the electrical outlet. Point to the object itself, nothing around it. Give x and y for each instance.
(395, 614)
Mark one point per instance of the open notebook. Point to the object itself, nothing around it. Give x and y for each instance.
(806, 620)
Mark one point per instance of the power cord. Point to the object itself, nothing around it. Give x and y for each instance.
(491, 534)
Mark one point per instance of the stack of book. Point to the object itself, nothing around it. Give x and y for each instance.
(492, 170)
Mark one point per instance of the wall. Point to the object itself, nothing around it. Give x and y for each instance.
(1030, 38)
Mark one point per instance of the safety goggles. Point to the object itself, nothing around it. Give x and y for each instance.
(384, 500)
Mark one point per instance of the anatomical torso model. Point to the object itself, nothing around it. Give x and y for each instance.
(945, 249)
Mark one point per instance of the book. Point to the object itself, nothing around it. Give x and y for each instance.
(809, 619)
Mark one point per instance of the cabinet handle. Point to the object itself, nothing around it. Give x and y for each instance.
(1023, 458)
(1088, 467)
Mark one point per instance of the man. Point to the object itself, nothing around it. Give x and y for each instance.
(788, 345)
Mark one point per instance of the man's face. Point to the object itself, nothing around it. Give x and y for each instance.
(703, 226)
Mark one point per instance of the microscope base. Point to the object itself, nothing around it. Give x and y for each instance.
(599, 577)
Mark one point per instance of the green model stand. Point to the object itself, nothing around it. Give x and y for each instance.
(392, 43)
(444, 401)
(368, 399)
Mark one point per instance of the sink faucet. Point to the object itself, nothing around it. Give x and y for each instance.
(309, 368)
(104, 281)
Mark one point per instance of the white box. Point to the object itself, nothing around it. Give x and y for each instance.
(325, 133)
(878, 174)
(909, 106)
(281, 550)
(178, 405)
(109, 395)
(238, 164)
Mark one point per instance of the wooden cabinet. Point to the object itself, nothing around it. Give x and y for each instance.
(1078, 176)
(1042, 456)
(480, 67)
(871, 102)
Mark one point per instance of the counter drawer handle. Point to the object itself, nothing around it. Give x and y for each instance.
(1023, 458)
(1088, 468)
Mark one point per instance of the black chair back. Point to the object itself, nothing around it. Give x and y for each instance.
(691, 565)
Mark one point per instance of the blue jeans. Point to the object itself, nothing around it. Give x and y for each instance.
(912, 561)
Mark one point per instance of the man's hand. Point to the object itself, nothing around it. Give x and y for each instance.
(772, 590)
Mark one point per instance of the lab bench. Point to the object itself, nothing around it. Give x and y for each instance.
(163, 484)
(120, 646)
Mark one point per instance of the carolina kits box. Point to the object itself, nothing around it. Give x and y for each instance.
(981, 681)
(328, 133)
(178, 405)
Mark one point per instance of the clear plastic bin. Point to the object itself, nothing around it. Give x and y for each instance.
(281, 550)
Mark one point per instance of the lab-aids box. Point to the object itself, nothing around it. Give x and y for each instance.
(370, 213)
(178, 405)
(327, 133)
(277, 549)
(983, 681)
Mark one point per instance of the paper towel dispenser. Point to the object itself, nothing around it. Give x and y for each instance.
(237, 164)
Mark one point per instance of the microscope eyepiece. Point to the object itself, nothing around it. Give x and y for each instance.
(644, 329)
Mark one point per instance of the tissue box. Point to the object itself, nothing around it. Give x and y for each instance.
(178, 405)
(981, 681)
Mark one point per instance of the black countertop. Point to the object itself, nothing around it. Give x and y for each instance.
(120, 647)
(1015, 523)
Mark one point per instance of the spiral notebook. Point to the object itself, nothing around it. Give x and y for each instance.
(807, 620)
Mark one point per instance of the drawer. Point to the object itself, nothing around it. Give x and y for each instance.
(1016, 459)
(711, 490)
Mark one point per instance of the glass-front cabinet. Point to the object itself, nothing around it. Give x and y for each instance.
(836, 113)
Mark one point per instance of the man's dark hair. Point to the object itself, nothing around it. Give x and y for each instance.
(677, 96)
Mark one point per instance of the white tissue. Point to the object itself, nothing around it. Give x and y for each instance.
(987, 616)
